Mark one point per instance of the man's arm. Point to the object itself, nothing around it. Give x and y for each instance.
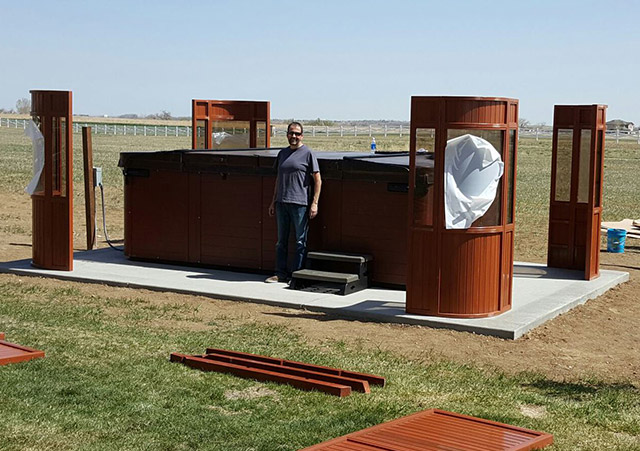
(317, 186)
(272, 205)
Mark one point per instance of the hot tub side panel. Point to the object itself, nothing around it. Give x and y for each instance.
(157, 215)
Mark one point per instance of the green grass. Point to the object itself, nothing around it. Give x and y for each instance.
(106, 383)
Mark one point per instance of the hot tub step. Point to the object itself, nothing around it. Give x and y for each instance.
(325, 276)
(327, 282)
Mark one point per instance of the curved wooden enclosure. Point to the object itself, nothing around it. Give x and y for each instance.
(230, 124)
(575, 207)
(52, 201)
(460, 272)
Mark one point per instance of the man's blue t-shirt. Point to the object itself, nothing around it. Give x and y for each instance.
(295, 175)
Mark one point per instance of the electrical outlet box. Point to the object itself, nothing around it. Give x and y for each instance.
(97, 176)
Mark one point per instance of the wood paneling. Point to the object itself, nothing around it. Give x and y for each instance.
(433, 430)
(231, 229)
(461, 273)
(210, 111)
(470, 274)
(53, 206)
(574, 224)
(158, 210)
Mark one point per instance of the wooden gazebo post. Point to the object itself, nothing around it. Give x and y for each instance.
(52, 202)
(575, 209)
(460, 272)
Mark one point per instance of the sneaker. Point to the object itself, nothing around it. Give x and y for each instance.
(276, 279)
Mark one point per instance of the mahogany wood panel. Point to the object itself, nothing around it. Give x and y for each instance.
(374, 222)
(434, 429)
(52, 207)
(465, 290)
(461, 273)
(231, 224)
(210, 111)
(423, 279)
(574, 221)
(156, 231)
(13, 353)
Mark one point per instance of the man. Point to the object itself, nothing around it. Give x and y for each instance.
(298, 177)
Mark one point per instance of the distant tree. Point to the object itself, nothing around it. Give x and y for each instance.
(23, 106)
(523, 123)
(165, 115)
(319, 122)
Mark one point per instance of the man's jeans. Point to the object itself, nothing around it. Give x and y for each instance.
(287, 214)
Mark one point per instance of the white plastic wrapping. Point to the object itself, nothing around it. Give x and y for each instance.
(32, 131)
(224, 140)
(472, 170)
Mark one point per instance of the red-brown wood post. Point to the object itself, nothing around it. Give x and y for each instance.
(575, 207)
(460, 272)
(52, 202)
(89, 188)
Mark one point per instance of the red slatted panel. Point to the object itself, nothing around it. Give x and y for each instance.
(13, 353)
(463, 287)
(439, 430)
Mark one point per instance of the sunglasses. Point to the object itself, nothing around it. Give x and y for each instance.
(294, 133)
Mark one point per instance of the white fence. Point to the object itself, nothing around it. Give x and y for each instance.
(280, 130)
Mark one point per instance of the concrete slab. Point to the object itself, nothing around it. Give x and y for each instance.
(539, 293)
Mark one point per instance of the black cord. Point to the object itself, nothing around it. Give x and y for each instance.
(104, 221)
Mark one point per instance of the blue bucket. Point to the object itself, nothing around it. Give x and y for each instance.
(615, 240)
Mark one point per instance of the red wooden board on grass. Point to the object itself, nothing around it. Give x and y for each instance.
(439, 430)
(302, 375)
(13, 353)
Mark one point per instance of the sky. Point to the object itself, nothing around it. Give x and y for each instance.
(337, 60)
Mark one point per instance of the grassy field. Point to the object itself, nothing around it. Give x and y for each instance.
(106, 382)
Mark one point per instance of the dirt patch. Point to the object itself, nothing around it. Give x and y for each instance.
(598, 339)
(250, 393)
(533, 411)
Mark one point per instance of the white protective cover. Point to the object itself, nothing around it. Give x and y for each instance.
(224, 140)
(32, 131)
(472, 170)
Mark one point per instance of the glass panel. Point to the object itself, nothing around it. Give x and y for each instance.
(63, 156)
(598, 163)
(493, 215)
(511, 175)
(261, 134)
(201, 133)
(230, 135)
(423, 196)
(40, 186)
(55, 153)
(564, 157)
(583, 171)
